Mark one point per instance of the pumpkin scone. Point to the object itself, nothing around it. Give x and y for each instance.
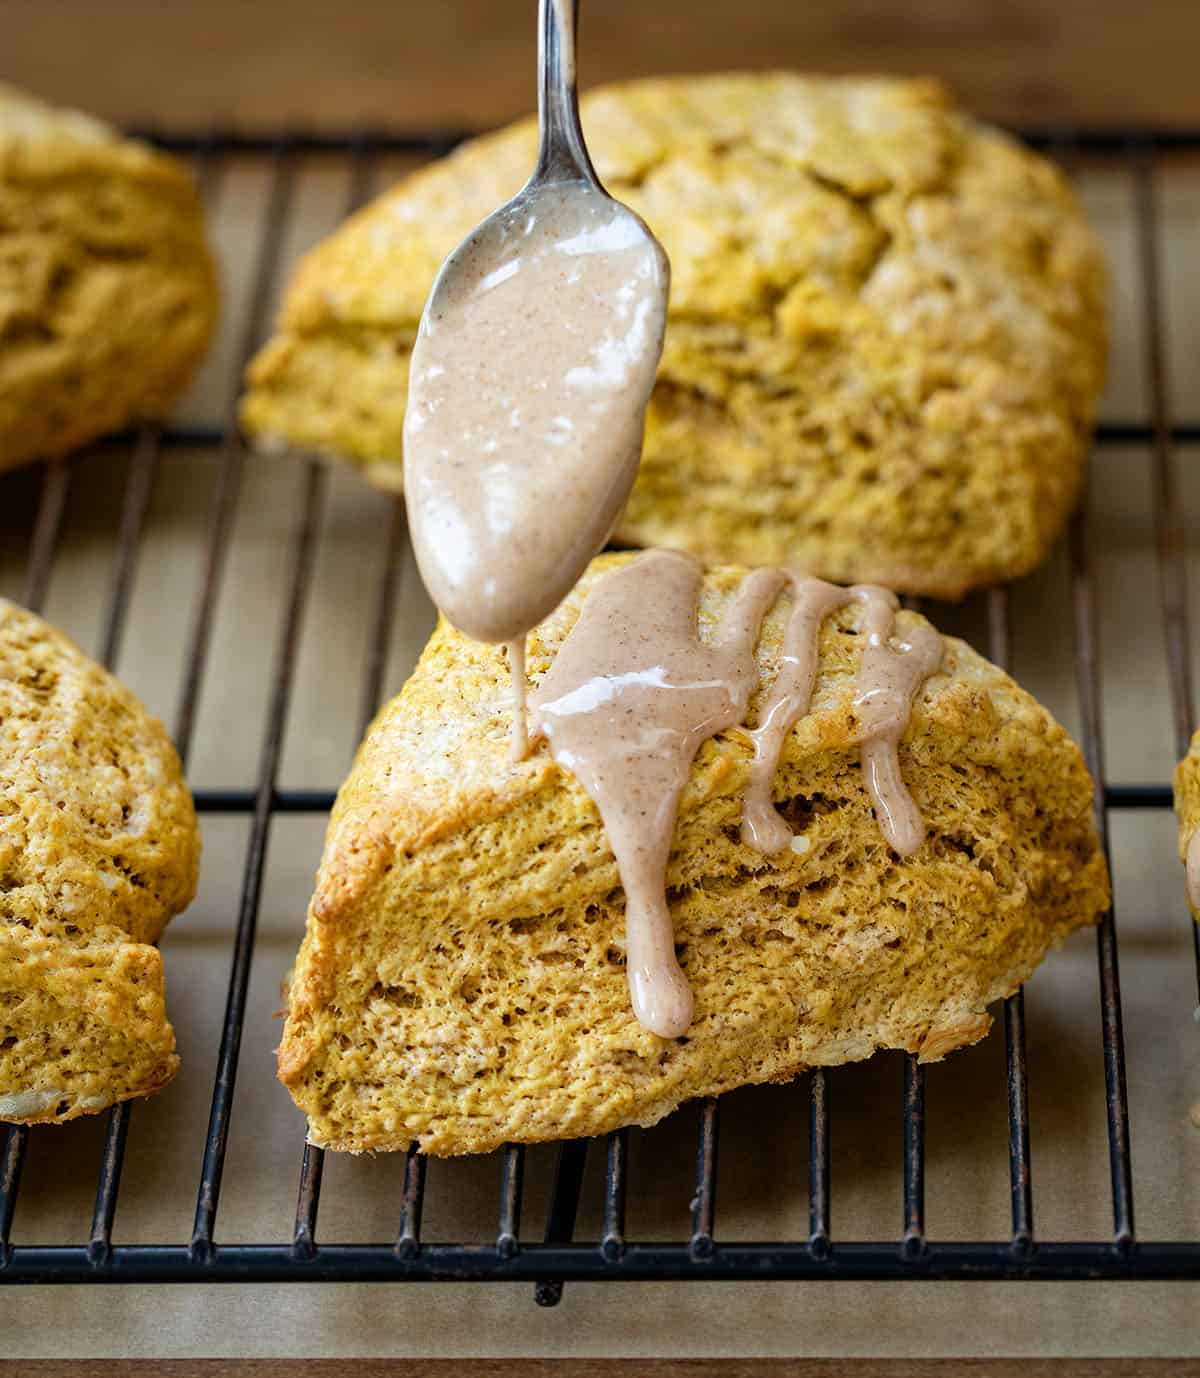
(1187, 811)
(461, 981)
(98, 849)
(885, 341)
(108, 289)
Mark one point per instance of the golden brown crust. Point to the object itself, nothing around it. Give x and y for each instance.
(886, 334)
(98, 849)
(107, 286)
(461, 984)
(1187, 801)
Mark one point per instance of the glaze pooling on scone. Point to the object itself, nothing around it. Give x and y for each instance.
(625, 707)
(530, 377)
(635, 691)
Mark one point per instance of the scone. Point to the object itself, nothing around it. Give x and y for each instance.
(885, 342)
(461, 982)
(108, 290)
(1187, 811)
(98, 849)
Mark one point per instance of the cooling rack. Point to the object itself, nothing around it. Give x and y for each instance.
(501, 1250)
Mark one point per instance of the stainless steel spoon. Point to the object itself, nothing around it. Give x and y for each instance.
(562, 153)
(530, 376)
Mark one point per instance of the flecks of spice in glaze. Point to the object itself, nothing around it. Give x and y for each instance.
(625, 706)
(528, 387)
(1193, 870)
(634, 692)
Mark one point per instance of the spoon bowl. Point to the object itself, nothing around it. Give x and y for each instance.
(530, 375)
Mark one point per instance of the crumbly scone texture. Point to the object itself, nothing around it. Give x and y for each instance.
(885, 340)
(461, 981)
(98, 849)
(1187, 800)
(108, 290)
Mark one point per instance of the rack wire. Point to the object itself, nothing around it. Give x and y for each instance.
(505, 1253)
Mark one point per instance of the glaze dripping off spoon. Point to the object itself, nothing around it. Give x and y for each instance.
(530, 376)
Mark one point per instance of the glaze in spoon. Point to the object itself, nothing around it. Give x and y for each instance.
(530, 376)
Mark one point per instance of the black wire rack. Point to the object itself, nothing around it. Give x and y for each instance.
(503, 1252)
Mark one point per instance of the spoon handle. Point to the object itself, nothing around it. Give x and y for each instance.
(562, 153)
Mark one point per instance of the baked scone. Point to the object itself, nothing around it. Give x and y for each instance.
(98, 849)
(1187, 811)
(885, 342)
(108, 290)
(461, 980)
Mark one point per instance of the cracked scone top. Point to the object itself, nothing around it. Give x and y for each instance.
(108, 289)
(461, 983)
(98, 849)
(884, 346)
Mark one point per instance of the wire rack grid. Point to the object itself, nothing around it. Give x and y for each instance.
(501, 1250)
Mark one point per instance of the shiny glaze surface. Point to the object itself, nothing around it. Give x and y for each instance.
(527, 395)
(635, 691)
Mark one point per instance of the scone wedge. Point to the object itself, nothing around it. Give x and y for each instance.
(885, 341)
(98, 849)
(108, 290)
(461, 982)
(1187, 812)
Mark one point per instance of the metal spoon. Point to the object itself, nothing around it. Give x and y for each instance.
(530, 376)
(562, 153)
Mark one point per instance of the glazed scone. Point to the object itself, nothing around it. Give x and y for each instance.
(108, 290)
(98, 849)
(885, 341)
(461, 980)
(1187, 812)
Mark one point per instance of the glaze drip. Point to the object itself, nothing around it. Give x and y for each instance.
(789, 700)
(625, 707)
(635, 691)
(888, 679)
(515, 650)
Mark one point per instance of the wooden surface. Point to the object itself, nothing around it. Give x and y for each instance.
(605, 1368)
(401, 62)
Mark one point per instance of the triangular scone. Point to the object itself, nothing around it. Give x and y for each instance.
(461, 980)
(98, 849)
